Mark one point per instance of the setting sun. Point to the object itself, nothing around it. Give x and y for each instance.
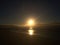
(31, 22)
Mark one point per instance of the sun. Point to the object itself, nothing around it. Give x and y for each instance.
(30, 22)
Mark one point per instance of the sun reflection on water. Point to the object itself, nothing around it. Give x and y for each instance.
(31, 31)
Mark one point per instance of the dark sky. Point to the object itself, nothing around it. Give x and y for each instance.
(17, 12)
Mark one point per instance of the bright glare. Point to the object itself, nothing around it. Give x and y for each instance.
(31, 22)
(30, 32)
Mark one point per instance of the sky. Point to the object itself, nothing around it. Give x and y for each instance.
(19, 11)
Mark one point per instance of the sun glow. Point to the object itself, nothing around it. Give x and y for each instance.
(30, 22)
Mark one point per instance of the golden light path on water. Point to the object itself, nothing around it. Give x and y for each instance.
(31, 31)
